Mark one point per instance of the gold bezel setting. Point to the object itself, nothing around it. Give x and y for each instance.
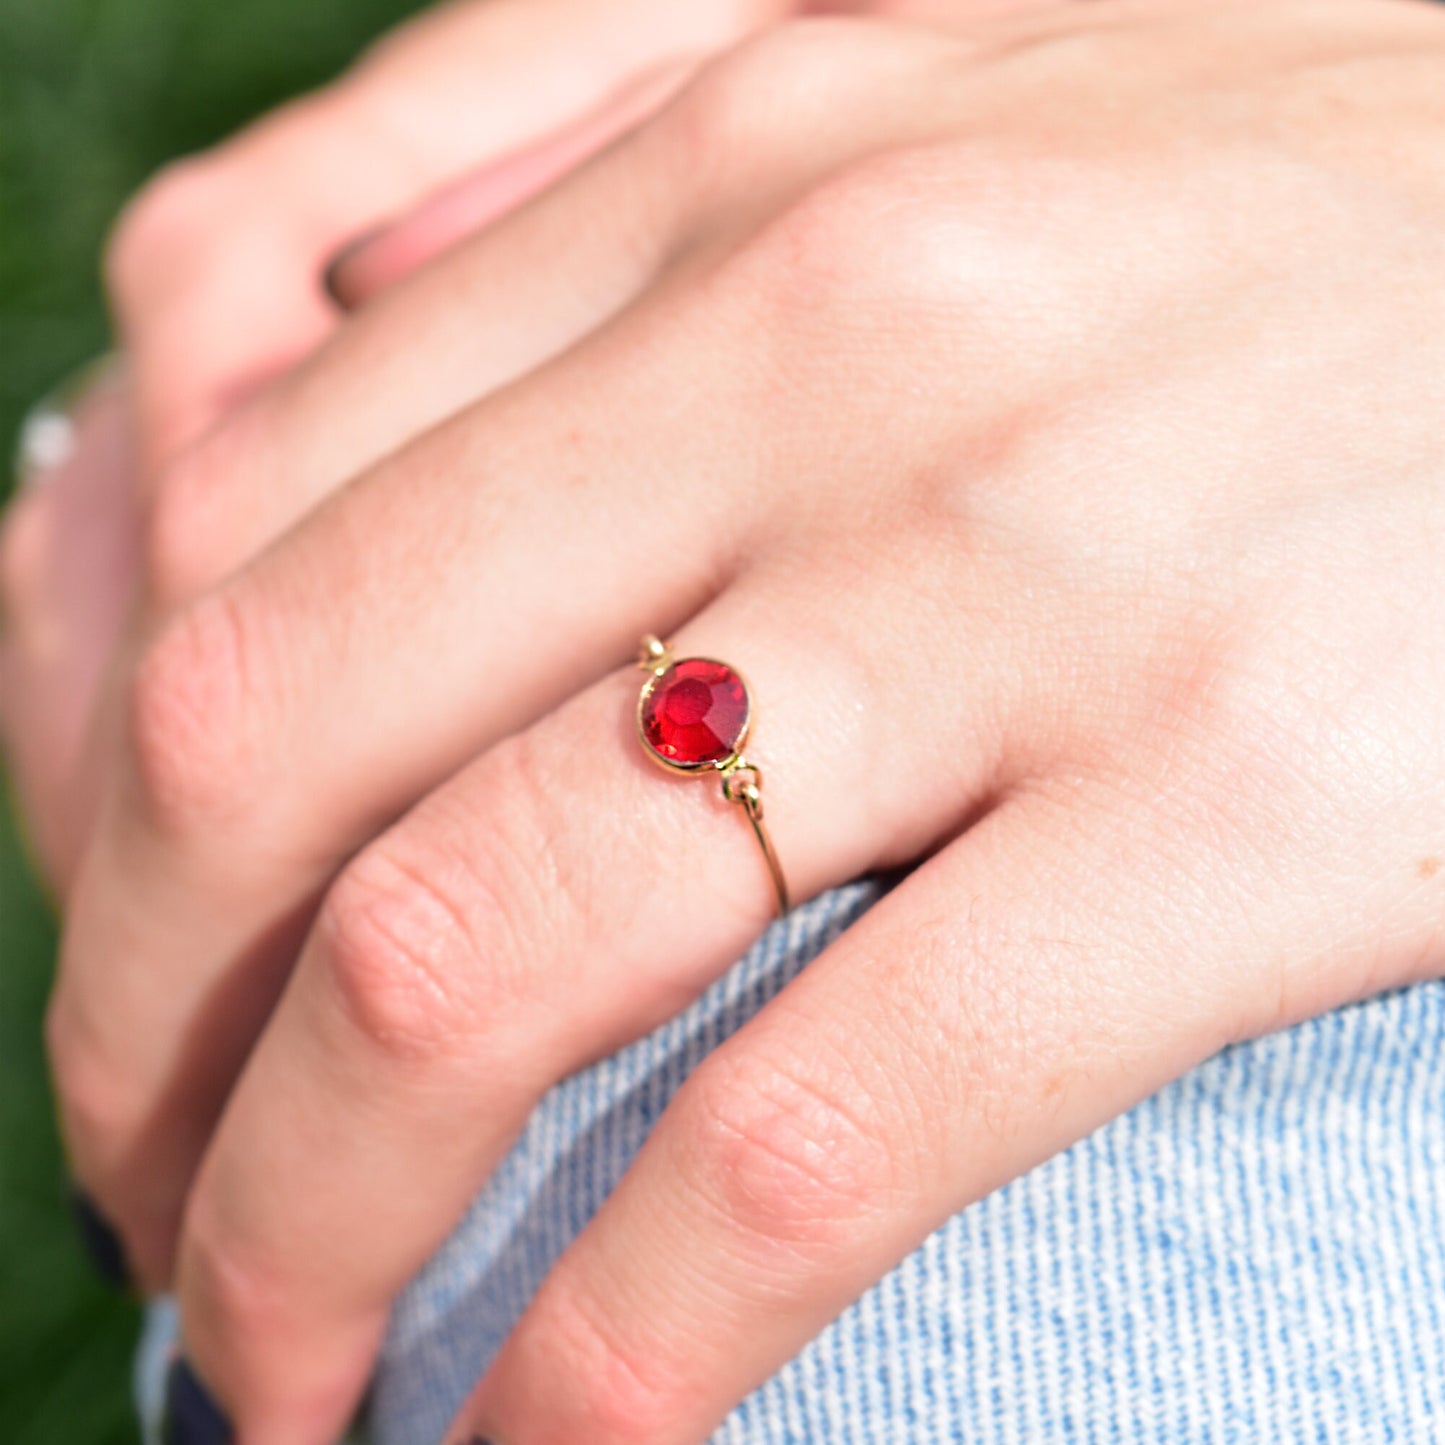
(659, 670)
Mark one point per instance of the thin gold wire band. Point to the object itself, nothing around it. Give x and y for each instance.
(742, 780)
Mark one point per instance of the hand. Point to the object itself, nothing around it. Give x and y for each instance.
(216, 274)
(995, 404)
(216, 269)
(228, 270)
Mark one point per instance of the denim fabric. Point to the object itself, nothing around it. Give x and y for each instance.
(1256, 1254)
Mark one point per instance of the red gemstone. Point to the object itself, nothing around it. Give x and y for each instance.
(695, 713)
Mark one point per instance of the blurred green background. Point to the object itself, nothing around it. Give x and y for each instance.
(94, 94)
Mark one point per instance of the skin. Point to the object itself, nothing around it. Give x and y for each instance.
(216, 274)
(70, 550)
(1040, 409)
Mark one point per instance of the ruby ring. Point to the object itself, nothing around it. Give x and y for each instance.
(693, 717)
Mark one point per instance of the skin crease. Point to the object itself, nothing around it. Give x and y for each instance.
(1115, 328)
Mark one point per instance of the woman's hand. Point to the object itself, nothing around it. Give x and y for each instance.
(232, 266)
(217, 268)
(1045, 421)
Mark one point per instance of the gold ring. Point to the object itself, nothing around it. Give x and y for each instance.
(693, 716)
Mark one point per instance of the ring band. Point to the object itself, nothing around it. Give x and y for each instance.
(693, 716)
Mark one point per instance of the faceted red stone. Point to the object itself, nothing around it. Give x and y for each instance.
(696, 713)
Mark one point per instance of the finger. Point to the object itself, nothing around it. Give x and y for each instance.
(466, 585)
(405, 365)
(511, 298)
(464, 206)
(560, 897)
(216, 269)
(538, 290)
(69, 556)
(995, 1007)
(203, 865)
(494, 309)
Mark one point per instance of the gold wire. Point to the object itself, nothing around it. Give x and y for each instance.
(753, 806)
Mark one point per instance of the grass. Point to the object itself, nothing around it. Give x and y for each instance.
(94, 94)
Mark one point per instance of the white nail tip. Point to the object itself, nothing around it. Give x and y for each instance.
(48, 434)
(47, 441)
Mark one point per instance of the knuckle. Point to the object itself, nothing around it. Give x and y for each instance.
(249, 1302)
(793, 1159)
(728, 116)
(624, 1394)
(403, 956)
(160, 224)
(865, 238)
(431, 936)
(712, 114)
(249, 1299)
(189, 725)
(803, 58)
(811, 255)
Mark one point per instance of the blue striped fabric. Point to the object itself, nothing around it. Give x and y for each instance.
(1254, 1255)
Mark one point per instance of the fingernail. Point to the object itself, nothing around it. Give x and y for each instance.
(101, 1243)
(192, 1417)
(333, 278)
(48, 436)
